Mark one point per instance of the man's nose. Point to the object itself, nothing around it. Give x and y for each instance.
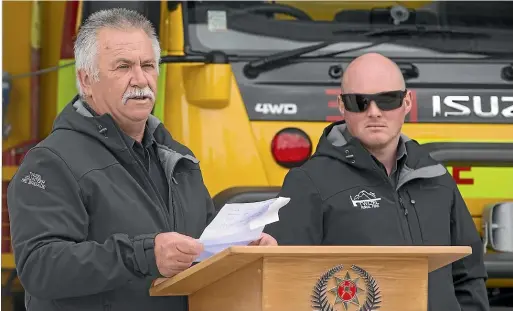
(138, 77)
(373, 110)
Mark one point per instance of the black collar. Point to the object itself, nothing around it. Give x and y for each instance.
(147, 141)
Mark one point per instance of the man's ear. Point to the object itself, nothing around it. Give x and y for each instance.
(85, 81)
(408, 99)
(341, 106)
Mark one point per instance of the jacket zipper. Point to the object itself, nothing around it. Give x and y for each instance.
(405, 209)
(159, 197)
(416, 215)
(173, 197)
(399, 200)
(175, 204)
(155, 192)
(402, 205)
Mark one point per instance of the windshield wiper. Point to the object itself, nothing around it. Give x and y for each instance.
(416, 30)
(273, 61)
(280, 59)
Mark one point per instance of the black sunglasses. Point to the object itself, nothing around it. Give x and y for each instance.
(385, 101)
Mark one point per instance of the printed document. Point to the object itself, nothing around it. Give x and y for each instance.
(239, 224)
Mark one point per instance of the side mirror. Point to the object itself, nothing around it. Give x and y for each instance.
(497, 223)
(208, 85)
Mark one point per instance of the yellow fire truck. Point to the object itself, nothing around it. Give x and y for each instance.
(249, 86)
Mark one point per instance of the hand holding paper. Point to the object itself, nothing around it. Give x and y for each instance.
(175, 252)
(264, 240)
(239, 224)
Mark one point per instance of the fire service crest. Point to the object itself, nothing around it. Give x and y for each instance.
(359, 292)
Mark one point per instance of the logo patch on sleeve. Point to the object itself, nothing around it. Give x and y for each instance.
(34, 180)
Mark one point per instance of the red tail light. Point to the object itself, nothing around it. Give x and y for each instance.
(291, 147)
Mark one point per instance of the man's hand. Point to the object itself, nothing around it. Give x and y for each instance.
(265, 240)
(175, 252)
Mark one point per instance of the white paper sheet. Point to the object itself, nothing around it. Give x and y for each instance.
(239, 224)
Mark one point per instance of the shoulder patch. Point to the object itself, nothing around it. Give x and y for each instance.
(35, 180)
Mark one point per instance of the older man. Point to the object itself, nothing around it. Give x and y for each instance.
(109, 201)
(367, 184)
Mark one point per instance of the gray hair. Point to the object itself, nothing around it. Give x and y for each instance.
(86, 47)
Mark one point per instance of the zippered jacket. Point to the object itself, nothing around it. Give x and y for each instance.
(343, 196)
(84, 213)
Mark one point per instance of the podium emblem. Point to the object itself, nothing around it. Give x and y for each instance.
(360, 293)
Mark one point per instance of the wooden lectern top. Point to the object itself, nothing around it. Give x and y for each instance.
(232, 259)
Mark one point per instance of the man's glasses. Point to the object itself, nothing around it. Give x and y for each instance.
(385, 101)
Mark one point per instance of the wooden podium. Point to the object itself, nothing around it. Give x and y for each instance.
(306, 278)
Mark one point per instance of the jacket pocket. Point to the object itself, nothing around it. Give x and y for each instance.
(432, 205)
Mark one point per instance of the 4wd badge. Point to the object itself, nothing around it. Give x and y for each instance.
(346, 291)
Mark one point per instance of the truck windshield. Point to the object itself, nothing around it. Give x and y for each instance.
(261, 28)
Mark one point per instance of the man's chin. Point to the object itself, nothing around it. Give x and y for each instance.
(377, 141)
(138, 113)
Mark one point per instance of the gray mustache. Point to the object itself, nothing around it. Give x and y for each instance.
(134, 93)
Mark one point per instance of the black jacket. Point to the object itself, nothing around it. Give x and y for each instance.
(84, 214)
(343, 196)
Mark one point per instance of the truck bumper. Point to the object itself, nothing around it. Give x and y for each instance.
(499, 265)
